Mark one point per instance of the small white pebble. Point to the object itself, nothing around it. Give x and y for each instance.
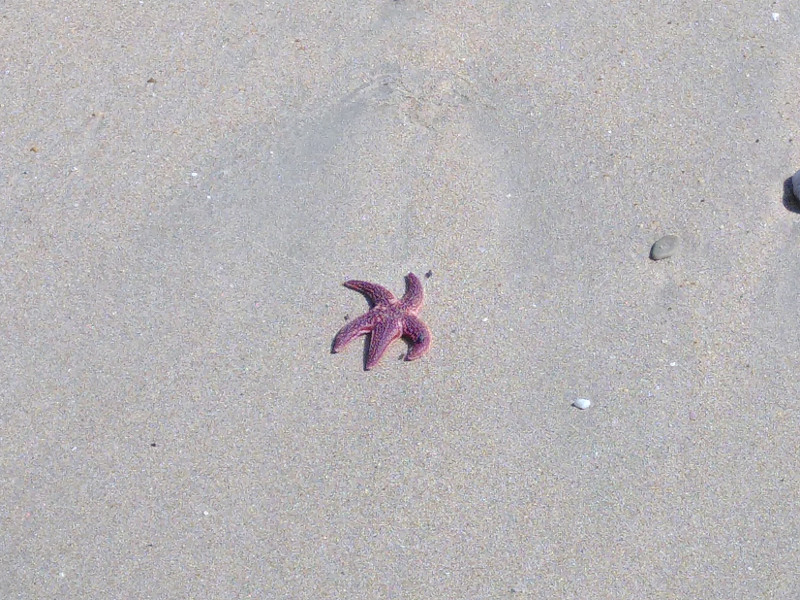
(776, 16)
(582, 403)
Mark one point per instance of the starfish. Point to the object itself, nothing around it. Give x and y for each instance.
(387, 319)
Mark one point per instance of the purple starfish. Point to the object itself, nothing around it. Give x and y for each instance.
(387, 319)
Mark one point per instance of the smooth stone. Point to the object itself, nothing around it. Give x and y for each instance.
(665, 247)
(582, 403)
(796, 185)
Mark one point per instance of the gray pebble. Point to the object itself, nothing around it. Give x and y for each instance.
(796, 185)
(582, 403)
(665, 247)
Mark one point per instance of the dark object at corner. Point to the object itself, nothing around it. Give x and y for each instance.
(791, 193)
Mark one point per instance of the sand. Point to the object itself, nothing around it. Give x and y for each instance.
(184, 187)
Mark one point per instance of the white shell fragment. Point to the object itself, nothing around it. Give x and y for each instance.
(582, 403)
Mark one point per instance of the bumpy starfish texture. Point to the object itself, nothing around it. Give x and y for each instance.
(387, 320)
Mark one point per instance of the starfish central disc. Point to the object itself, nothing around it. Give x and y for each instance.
(387, 320)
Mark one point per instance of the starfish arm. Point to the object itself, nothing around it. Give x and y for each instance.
(353, 329)
(419, 335)
(383, 335)
(412, 299)
(376, 294)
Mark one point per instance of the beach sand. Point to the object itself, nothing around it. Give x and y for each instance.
(185, 187)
